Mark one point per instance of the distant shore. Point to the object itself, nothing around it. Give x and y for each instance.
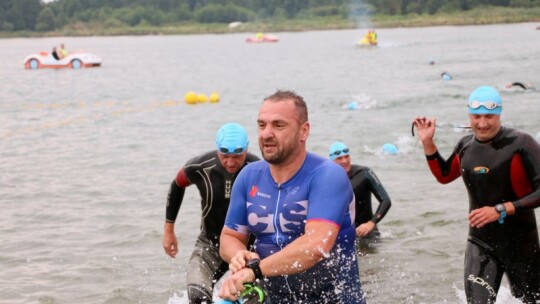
(477, 16)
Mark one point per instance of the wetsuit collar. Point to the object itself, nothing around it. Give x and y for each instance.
(494, 138)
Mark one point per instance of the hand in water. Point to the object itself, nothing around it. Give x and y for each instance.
(253, 294)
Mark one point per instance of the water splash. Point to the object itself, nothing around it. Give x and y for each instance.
(360, 101)
(504, 296)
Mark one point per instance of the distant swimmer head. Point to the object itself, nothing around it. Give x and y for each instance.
(431, 61)
(446, 76)
(353, 105)
(338, 149)
(389, 148)
(232, 138)
(485, 100)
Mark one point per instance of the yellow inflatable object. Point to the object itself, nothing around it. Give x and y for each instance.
(363, 41)
(202, 98)
(190, 97)
(214, 97)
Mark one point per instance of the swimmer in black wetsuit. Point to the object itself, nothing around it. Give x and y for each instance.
(213, 173)
(520, 85)
(501, 170)
(364, 183)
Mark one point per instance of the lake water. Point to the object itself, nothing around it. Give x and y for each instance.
(88, 155)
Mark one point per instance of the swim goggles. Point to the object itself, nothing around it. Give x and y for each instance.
(338, 152)
(490, 105)
(226, 150)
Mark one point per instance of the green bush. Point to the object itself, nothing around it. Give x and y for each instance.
(7, 26)
(113, 23)
(217, 13)
(46, 20)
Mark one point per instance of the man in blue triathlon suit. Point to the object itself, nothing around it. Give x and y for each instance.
(300, 207)
(501, 170)
(364, 183)
(213, 173)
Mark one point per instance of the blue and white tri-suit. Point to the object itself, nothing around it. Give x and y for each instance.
(277, 214)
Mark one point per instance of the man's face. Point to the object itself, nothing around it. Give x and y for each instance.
(232, 162)
(485, 126)
(281, 134)
(344, 161)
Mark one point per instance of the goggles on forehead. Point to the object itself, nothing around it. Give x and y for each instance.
(226, 150)
(490, 105)
(338, 152)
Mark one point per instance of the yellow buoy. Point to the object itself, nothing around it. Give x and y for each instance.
(214, 97)
(190, 97)
(202, 98)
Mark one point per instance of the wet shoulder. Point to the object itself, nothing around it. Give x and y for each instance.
(255, 167)
(252, 158)
(315, 164)
(355, 169)
(517, 138)
(204, 160)
(463, 143)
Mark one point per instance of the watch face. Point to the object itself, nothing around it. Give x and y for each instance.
(253, 262)
(500, 208)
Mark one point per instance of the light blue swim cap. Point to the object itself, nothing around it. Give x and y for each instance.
(232, 138)
(485, 100)
(353, 105)
(338, 149)
(389, 148)
(446, 76)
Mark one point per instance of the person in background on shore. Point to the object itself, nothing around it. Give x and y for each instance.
(364, 183)
(300, 208)
(500, 167)
(213, 173)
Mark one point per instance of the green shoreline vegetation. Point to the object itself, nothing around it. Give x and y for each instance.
(34, 18)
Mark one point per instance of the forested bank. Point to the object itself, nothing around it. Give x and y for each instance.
(117, 17)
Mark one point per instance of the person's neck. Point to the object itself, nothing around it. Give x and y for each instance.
(284, 171)
(486, 141)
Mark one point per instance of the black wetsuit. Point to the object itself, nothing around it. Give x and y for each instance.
(364, 182)
(505, 169)
(215, 185)
(519, 84)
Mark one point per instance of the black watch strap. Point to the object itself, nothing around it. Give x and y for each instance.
(253, 264)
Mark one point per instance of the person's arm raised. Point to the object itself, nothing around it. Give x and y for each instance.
(426, 131)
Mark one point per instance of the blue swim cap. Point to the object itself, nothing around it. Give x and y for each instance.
(232, 138)
(389, 148)
(353, 105)
(485, 100)
(338, 149)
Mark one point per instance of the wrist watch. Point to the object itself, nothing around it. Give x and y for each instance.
(501, 209)
(253, 264)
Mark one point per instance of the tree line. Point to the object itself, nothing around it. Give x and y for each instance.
(36, 15)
